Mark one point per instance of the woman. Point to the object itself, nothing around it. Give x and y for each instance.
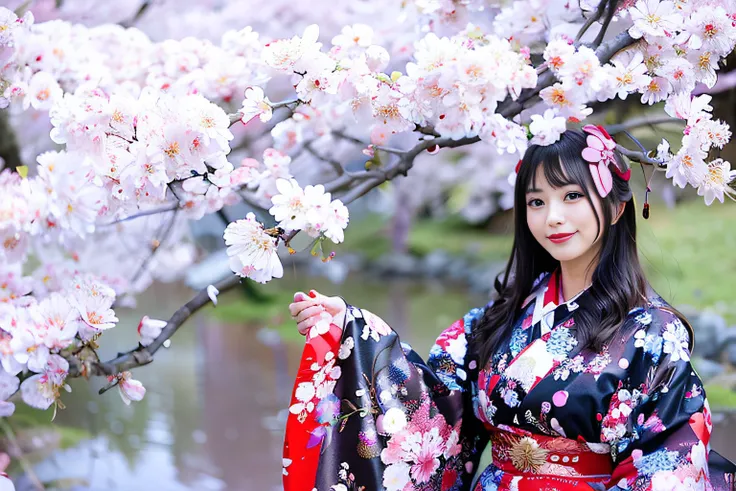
(577, 373)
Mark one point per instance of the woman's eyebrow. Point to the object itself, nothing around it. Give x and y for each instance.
(533, 190)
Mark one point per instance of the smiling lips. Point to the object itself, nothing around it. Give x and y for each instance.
(560, 238)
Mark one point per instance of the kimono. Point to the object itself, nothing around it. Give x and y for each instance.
(367, 413)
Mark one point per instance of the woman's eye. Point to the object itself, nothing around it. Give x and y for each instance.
(572, 196)
(534, 203)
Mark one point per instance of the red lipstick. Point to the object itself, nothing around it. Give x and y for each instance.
(560, 238)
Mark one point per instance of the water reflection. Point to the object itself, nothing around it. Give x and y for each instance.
(214, 413)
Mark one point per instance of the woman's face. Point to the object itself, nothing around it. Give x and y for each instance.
(562, 220)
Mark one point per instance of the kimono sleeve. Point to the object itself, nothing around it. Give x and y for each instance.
(372, 414)
(658, 422)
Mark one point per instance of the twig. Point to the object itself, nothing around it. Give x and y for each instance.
(144, 355)
(606, 22)
(152, 211)
(591, 20)
(159, 242)
(641, 121)
(142, 10)
(639, 156)
(358, 141)
(252, 200)
(235, 117)
(336, 166)
(278, 105)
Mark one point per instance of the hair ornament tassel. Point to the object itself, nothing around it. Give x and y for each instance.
(600, 154)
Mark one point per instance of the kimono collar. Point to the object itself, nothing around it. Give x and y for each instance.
(549, 305)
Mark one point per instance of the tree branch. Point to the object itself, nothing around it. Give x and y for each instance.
(641, 121)
(640, 156)
(591, 20)
(606, 22)
(142, 10)
(145, 213)
(163, 233)
(144, 355)
(358, 141)
(235, 117)
(336, 166)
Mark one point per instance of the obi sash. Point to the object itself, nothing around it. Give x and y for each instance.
(533, 460)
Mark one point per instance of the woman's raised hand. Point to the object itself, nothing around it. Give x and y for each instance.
(307, 310)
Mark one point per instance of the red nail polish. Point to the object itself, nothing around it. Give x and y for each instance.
(312, 293)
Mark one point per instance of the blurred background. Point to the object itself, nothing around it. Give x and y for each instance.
(419, 252)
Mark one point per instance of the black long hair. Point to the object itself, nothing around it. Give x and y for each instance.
(618, 282)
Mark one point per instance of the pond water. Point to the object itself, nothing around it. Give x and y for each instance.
(217, 399)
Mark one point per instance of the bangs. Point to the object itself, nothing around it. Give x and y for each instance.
(562, 163)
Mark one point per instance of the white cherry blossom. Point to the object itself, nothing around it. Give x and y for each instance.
(716, 181)
(546, 127)
(252, 252)
(654, 18)
(256, 104)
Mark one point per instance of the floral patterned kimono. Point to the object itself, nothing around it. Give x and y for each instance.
(368, 413)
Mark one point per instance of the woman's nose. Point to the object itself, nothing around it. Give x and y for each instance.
(555, 215)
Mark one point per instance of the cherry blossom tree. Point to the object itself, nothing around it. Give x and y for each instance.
(115, 139)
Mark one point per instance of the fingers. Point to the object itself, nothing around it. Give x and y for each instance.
(304, 326)
(296, 307)
(314, 310)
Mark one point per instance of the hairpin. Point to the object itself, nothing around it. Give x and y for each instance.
(600, 154)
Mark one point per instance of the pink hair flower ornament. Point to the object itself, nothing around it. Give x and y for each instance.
(600, 153)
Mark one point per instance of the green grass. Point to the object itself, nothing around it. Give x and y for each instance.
(270, 310)
(236, 307)
(371, 238)
(367, 237)
(720, 398)
(460, 239)
(688, 255)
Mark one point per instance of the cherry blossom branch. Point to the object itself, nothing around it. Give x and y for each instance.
(145, 213)
(510, 108)
(358, 141)
(336, 166)
(591, 20)
(235, 117)
(640, 156)
(253, 201)
(144, 355)
(142, 10)
(164, 233)
(641, 121)
(278, 105)
(606, 22)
